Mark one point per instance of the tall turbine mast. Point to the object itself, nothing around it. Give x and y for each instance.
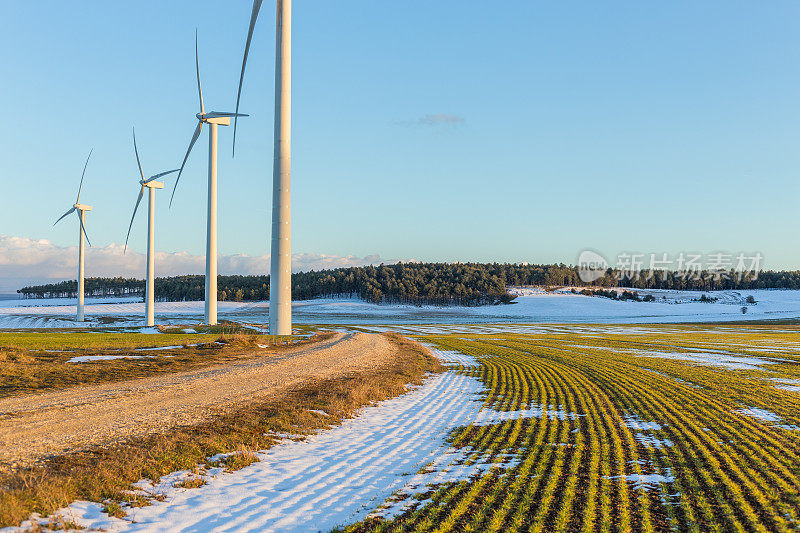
(213, 119)
(151, 185)
(280, 285)
(280, 280)
(80, 209)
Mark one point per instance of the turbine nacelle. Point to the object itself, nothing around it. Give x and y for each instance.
(78, 208)
(149, 183)
(220, 119)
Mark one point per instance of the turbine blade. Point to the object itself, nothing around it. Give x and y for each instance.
(80, 219)
(214, 114)
(253, 18)
(197, 65)
(191, 144)
(139, 199)
(151, 178)
(62, 216)
(78, 199)
(135, 149)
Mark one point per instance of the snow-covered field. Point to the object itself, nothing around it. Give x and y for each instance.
(380, 463)
(384, 461)
(532, 306)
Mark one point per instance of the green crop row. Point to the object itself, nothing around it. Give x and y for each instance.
(724, 471)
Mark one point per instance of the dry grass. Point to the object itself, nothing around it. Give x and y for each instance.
(191, 482)
(239, 460)
(104, 474)
(25, 369)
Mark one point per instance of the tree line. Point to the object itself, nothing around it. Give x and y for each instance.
(416, 283)
(407, 283)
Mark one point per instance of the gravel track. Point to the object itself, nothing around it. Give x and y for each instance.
(38, 425)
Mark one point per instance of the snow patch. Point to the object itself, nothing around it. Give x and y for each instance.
(759, 414)
(646, 481)
(728, 361)
(94, 358)
(651, 441)
(452, 357)
(451, 466)
(791, 385)
(489, 416)
(634, 422)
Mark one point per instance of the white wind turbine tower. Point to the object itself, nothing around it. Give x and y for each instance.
(280, 281)
(151, 185)
(213, 119)
(80, 209)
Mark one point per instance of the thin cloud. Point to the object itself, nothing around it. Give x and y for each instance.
(25, 261)
(437, 119)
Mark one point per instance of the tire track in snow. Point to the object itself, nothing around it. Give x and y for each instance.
(335, 477)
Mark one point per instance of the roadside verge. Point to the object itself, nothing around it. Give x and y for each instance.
(317, 390)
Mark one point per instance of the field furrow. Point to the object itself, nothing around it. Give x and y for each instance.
(680, 428)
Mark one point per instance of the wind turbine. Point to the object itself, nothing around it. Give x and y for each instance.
(80, 209)
(213, 119)
(280, 280)
(151, 185)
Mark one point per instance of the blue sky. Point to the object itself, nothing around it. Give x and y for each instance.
(445, 130)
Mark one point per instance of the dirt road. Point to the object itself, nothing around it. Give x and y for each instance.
(44, 424)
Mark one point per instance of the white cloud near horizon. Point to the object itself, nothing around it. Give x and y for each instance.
(26, 261)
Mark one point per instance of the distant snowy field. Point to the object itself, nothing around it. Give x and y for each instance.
(532, 306)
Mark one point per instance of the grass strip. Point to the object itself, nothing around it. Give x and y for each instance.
(27, 370)
(105, 473)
